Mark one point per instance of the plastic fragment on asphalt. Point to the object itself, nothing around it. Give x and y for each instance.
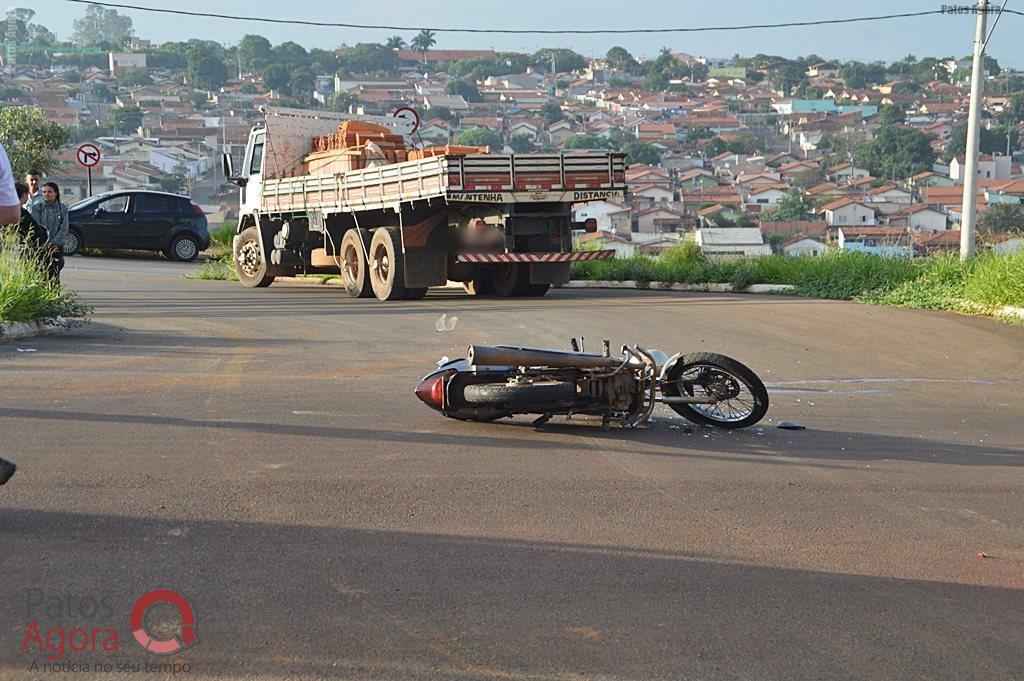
(982, 554)
(27, 350)
(786, 425)
(446, 323)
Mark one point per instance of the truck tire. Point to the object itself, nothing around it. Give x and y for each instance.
(481, 285)
(415, 293)
(508, 280)
(250, 265)
(536, 290)
(354, 271)
(519, 394)
(387, 264)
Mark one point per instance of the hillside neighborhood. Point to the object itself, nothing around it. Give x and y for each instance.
(752, 155)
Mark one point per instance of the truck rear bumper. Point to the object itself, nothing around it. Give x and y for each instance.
(538, 258)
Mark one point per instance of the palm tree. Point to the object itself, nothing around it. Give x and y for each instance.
(423, 41)
(395, 42)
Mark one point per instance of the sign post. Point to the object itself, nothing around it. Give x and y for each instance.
(88, 156)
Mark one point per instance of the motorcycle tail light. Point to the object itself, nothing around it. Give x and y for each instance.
(431, 391)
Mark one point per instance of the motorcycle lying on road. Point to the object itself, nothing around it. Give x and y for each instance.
(496, 381)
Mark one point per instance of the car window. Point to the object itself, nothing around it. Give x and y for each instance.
(156, 203)
(117, 204)
(256, 164)
(184, 206)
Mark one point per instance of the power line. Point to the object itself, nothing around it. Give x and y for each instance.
(437, 29)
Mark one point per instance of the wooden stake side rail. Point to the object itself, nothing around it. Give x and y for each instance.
(436, 177)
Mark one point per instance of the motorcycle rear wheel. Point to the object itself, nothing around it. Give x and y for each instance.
(744, 399)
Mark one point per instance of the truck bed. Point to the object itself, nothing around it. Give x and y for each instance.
(490, 178)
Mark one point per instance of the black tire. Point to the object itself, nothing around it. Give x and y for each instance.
(354, 271)
(480, 286)
(183, 248)
(250, 265)
(510, 280)
(727, 368)
(536, 290)
(387, 264)
(519, 394)
(73, 242)
(415, 293)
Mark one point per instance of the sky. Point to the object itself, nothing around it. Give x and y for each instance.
(937, 35)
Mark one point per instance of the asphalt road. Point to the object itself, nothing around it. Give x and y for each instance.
(262, 452)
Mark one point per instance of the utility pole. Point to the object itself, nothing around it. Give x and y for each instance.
(968, 210)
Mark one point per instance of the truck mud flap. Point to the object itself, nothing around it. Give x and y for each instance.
(555, 273)
(425, 268)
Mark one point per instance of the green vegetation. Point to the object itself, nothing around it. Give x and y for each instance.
(982, 285)
(896, 153)
(30, 138)
(27, 294)
(219, 270)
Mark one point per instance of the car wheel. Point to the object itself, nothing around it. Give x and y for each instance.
(250, 265)
(73, 242)
(185, 248)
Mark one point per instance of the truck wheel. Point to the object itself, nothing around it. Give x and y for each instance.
(354, 271)
(536, 290)
(508, 279)
(387, 266)
(250, 265)
(481, 285)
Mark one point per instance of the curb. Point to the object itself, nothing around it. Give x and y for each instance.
(16, 330)
(671, 286)
(1011, 311)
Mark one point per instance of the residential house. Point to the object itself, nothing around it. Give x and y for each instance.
(846, 172)
(610, 216)
(126, 62)
(885, 241)
(559, 132)
(621, 244)
(927, 243)
(731, 242)
(847, 211)
(658, 219)
(801, 244)
(765, 195)
(1008, 242)
(990, 167)
(930, 178)
(919, 217)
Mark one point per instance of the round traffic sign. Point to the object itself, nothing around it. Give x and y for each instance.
(88, 155)
(409, 114)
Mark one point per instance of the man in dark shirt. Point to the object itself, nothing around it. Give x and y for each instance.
(28, 228)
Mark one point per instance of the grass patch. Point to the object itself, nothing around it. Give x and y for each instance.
(221, 269)
(27, 294)
(221, 241)
(982, 285)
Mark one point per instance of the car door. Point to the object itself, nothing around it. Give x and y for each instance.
(153, 219)
(107, 225)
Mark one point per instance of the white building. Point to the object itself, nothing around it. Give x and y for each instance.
(725, 242)
(801, 244)
(123, 62)
(989, 168)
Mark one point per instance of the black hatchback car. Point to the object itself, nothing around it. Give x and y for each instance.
(138, 220)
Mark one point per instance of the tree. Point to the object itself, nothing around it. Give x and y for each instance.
(303, 81)
(698, 133)
(395, 42)
(521, 143)
(1014, 111)
(127, 119)
(442, 112)
(205, 69)
(713, 147)
(480, 137)
(558, 59)
(999, 217)
(173, 183)
(990, 141)
(551, 113)
(423, 41)
(341, 101)
(277, 77)
(255, 52)
(30, 138)
(641, 152)
(657, 82)
(896, 153)
(789, 76)
(619, 58)
(134, 79)
(291, 54)
(793, 206)
(857, 74)
(745, 144)
(464, 89)
(368, 58)
(99, 25)
(891, 114)
(581, 141)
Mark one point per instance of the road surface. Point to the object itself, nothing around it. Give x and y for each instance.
(261, 451)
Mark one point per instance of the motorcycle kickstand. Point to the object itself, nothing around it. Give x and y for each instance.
(541, 420)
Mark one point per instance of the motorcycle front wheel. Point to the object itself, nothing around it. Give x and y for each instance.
(740, 398)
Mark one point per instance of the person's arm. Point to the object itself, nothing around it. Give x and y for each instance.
(10, 206)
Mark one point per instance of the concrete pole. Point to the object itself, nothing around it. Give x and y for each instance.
(968, 209)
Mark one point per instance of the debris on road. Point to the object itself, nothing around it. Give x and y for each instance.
(445, 323)
(787, 425)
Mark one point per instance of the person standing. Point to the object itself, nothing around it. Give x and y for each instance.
(33, 179)
(53, 216)
(28, 228)
(10, 206)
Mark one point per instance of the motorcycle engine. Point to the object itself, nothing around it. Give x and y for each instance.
(624, 390)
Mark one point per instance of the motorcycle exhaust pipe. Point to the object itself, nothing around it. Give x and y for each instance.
(504, 355)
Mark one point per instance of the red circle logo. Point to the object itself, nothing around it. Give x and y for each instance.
(170, 645)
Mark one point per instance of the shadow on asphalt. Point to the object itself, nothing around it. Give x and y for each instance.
(764, 445)
(279, 600)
